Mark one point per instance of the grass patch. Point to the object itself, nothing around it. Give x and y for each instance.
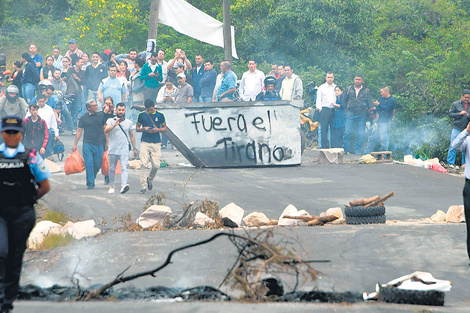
(45, 213)
(56, 217)
(52, 241)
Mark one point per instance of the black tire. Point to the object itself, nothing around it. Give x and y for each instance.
(357, 220)
(362, 211)
(423, 297)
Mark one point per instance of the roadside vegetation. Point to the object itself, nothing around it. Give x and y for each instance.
(51, 241)
(420, 48)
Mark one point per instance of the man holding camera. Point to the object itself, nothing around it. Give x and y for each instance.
(121, 140)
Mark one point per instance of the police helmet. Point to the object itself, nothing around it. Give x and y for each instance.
(12, 89)
(42, 85)
(270, 79)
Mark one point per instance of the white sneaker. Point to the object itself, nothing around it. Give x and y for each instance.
(111, 190)
(125, 188)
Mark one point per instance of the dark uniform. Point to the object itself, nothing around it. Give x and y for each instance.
(267, 95)
(20, 169)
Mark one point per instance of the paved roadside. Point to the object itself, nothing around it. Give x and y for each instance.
(360, 255)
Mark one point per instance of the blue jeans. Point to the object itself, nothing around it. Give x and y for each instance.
(75, 109)
(355, 124)
(67, 118)
(93, 95)
(28, 92)
(124, 159)
(381, 135)
(93, 156)
(50, 143)
(337, 137)
(205, 99)
(83, 98)
(135, 114)
(452, 153)
(128, 110)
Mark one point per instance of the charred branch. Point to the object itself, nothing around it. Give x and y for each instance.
(245, 273)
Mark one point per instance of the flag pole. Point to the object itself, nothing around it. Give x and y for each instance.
(153, 20)
(227, 32)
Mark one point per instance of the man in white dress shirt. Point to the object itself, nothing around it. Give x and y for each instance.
(252, 82)
(326, 99)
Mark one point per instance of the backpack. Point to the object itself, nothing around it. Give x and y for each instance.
(58, 148)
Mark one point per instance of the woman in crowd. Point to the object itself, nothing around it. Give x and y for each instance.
(337, 129)
(136, 91)
(123, 71)
(48, 70)
(108, 110)
(16, 76)
(65, 67)
(86, 60)
(108, 107)
(167, 93)
(123, 75)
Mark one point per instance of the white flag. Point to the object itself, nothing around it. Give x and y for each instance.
(188, 20)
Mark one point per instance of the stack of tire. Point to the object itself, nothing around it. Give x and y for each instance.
(356, 215)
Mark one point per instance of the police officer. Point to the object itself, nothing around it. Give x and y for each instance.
(270, 94)
(23, 180)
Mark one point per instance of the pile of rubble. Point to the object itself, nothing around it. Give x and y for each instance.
(432, 164)
(77, 230)
(161, 217)
(455, 214)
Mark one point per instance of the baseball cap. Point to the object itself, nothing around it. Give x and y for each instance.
(12, 122)
(178, 64)
(72, 41)
(181, 75)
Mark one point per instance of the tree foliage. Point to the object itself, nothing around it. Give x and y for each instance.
(420, 48)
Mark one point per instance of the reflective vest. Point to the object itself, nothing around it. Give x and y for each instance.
(17, 184)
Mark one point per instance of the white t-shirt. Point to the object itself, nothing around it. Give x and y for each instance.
(118, 142)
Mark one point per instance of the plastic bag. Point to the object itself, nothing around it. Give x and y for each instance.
(438, 168)
(105, 165)
(74, 163)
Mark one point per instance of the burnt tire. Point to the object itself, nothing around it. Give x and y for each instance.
(363, 211)
(357, 220)
(423, 297)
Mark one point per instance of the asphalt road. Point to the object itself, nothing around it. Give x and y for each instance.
(315, 188)
(360, 256)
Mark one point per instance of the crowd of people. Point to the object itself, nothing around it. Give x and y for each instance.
(62, 93)
(104, 97)
(345, 112)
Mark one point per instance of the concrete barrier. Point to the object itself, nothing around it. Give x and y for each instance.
(236, 134)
